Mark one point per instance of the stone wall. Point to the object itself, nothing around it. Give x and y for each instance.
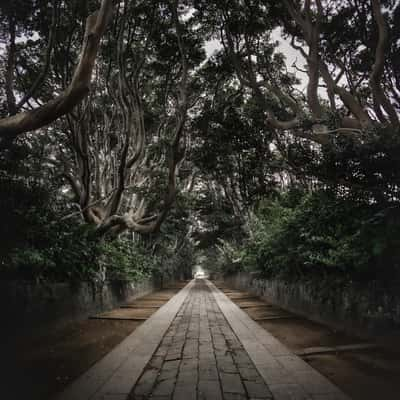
(363, 311)
(30, 306)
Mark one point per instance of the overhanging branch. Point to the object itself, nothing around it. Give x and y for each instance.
(96, 23)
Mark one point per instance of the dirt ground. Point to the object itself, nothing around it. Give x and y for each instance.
(298, 334)
(364, 375)
(37, 368)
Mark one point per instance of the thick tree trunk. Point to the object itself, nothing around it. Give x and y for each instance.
(15, 125)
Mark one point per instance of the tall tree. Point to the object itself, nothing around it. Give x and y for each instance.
(344, 45)
(125, 144)
(22, 117)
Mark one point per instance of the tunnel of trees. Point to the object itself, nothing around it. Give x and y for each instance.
(138, 137)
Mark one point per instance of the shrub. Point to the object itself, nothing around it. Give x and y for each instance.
(39, 245)
(320, 234)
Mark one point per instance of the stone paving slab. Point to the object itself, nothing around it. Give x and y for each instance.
(132, 314)
(145, 303)
(241, 296)
(115, 374)
(200, 358)
(312, 351)
(288, 376)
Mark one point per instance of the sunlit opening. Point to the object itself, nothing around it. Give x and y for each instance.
(199, 272)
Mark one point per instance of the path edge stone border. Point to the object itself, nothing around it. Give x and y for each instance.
(114, 376)
(287, 375)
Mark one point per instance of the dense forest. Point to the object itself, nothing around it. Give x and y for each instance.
(141, 137)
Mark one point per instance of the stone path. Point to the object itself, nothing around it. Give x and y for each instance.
(201, 346)
(200, 357)
(113, 377)
(287, 375)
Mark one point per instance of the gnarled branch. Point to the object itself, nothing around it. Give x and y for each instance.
(379, 97)
(15, 125)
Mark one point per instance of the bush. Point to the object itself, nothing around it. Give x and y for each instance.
(320, 234)
(75, 254)
(39, 245)
(123, 259)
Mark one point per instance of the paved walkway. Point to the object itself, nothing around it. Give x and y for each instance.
(201, 346)
(287, 375)
(200, 357)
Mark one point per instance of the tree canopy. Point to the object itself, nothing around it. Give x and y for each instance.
(122, 113)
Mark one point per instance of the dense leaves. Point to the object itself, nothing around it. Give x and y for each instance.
(286, 167)
(38, 245)
(321, 234)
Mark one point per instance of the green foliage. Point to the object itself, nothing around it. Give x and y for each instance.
(123, 259)
(174, 247)
(232, 136)
(344, 221)
(39, 245)
(229, 257)
(322, 234)
(71, 252)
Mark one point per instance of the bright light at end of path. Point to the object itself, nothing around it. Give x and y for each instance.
(199, 272)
